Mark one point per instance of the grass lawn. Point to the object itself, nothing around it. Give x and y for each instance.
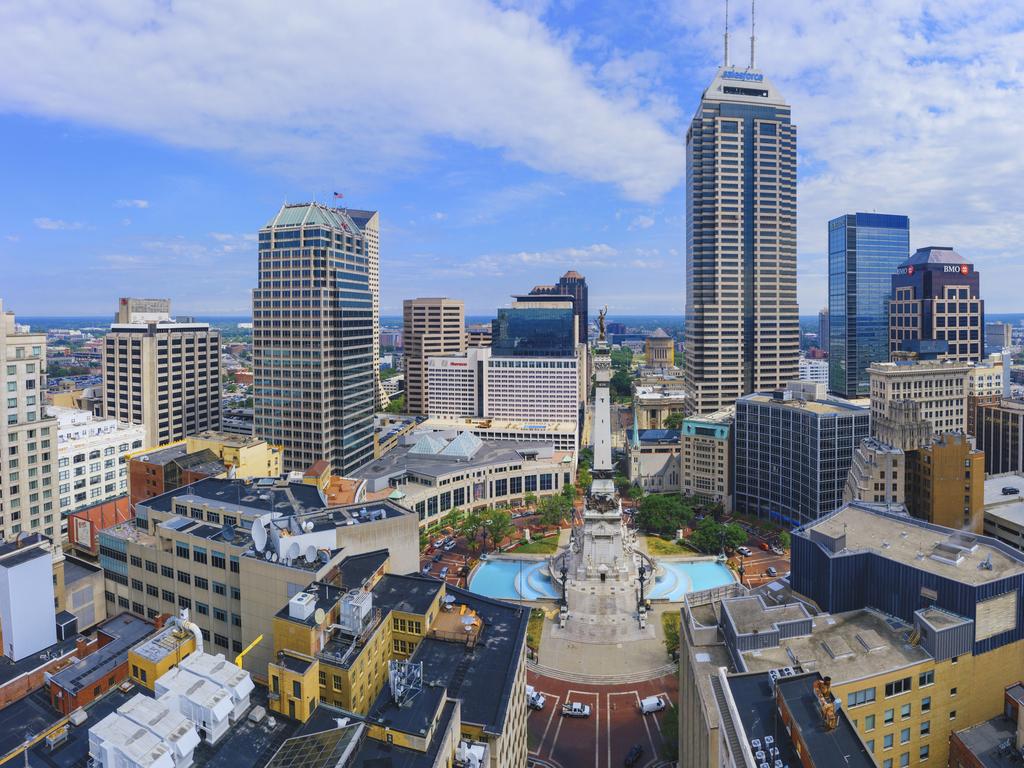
(534, 628)
(658, 546)
(538, 547)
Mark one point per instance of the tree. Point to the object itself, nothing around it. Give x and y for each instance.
(496, 524)
(396, 405)
(569, 494)
(530, 499)
(621, 384)
(670, 733)
(621, 482)
(710, 536)
(735, 536)
(636, 492)
(674, 421)
(553, 510)
(662, 513)
(785, 540)
(584, 478)
(470, 526)
(451, 519)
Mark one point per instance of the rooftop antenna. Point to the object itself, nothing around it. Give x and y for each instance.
(727, 33)
(752, 36)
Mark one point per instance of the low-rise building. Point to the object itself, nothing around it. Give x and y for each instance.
(945, 482)
(655, 404)
(996, 743)
(706, 458)
(815, 370)
(877, 474)
(91, 451)
(660, 350)
(561, 434)
(654, 460)
(193, 548)
(1004, 508)
(940, 388)
(371, 647)
(435, 472)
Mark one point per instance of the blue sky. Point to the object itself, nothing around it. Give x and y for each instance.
(504, 143)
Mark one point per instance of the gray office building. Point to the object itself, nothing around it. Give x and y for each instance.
(864, 252)
(313, 338)
(793, 450)
(742, 329)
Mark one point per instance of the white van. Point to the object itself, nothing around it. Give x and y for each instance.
(651, 704)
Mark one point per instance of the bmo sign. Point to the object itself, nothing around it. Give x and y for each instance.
(960, 269)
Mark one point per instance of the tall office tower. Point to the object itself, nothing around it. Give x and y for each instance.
(864, 251)
(998, 336)
(573, 284)
(28, 437)
(312, 314)
(535, 326)
(369, 222)
(430, 328)
(742, 329)
(161, 373)
(936, 307)
(1001, 436)
(823, 330)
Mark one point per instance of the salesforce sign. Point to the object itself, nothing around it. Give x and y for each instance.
(750, 77)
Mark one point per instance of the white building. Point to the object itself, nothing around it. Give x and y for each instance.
(532, 390)
(814, 370)
(26, 597)
(90, 457)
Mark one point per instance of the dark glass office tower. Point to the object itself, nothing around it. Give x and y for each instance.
(535, 326)
(742, 330)
(313, 338)
(864, 251)
(573, 284)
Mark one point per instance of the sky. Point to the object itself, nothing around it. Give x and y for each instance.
(144, 144)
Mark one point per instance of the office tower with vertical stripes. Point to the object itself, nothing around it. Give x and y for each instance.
(742, 329)
(313, 337)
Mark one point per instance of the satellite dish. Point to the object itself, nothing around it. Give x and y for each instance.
(310, 555)
(319, 616)
(267, 556)
(259, 535)
(293, 551)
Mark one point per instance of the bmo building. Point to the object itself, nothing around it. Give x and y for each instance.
(936, 309)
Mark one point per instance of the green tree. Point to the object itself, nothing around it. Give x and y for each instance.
(735, 536)
(530, 499)
(659, 513)
(497, 524)
(569, 494)
(636, 492)
(710, 536)
(621, 482)
(470, 526)
(552, 510)
(584, 478)
(621, 384)
(622, 358)
(674, 421)
(785, 540)
(396, 405)
(451, 519)
(670, 621)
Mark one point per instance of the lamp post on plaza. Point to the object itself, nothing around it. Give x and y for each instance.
(641, 577)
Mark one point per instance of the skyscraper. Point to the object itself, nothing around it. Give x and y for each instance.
(742, 329)
(936, 306)
(313, 338)
(28, 438)
(161, 373)
(823, 330)
(573, 284)
(864, 250)
(432, 327)
(535, 326)
(369, 222)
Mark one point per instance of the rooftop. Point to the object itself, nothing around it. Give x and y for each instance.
(496, 425)
(994, 485)
(126, 631)
(659, 436)
(826, 405)
(312, 214)
(934, 254)
(993, 742)
(858, 527)
(243, 496)
(355, 570)
(11, 670)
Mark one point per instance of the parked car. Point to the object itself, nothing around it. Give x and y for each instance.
(1009, 490)
(634, 755)
(534, 698)
(426, 569)
(745, 551)
(778, 551)
(449, 546)
(764, 545)
(437, 557)
(443, 574)
(771, 571)
(575, 709)
(652, 704)
(439, 543)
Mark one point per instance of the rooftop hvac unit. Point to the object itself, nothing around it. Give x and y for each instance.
(355, 610)
(301, 606)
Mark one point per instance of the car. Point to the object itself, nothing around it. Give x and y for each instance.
(575, 709)
(426, 569)
(439, 543)
(534, 698)
(652, 704)
(764, 545)
(437, 557)
(634, 755)
(443, 574)
(1009, 490)
(778, 551)
(449, 546)
(772, 571)
(745, 551)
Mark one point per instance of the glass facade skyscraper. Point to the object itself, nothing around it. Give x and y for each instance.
(533, 327)
(864, 251)
(312, 314)
(742, 329)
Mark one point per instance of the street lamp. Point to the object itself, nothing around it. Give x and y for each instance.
(565, 577)
(642, 577)
(742, 570)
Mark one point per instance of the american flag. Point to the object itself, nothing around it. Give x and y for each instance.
(338, 195)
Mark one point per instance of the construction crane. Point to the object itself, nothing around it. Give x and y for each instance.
(249, 647)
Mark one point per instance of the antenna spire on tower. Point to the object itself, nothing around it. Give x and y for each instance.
(727, 33)
(752, 35)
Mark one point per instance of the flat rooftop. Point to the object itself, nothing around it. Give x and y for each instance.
(127, 631)
(824, 406)
(908, 540)
(402, 459)
(992, 742)
(846, 646)
(750, 615)
(539, 426)
(251, 497)
(994, 485)
(11, 670)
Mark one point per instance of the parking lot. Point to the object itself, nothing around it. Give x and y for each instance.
(605, 738)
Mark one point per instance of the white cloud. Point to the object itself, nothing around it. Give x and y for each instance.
(641, 222)
(905, 106)
(439, 216)
(595, 255)
(233, 76)
(124, 203)
(45, 222)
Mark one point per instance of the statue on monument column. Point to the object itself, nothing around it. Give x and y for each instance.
(600, 322)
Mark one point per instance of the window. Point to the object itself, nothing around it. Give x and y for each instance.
(181, 550)
(152, 591)
(296, 689)
(323, 679)
(857, 698)
(926, 678)
(887, 741)
(167, 572)
(184, 602)
(202, 609)
(869, 723)
(234, 564)
(926, 704)
(926, 728)
(236, 593)
(136, 561)
(897, 687)
(151, 566)
(905, 711)
(184, 578)
(167, 595)
(952, 691)
(217, 560)
(336, 682)
(220, 640)
(870, 744)
(904, 760)
(220, 615)
(889, 716)
(219, 589)
(905, 736)
(922, 753)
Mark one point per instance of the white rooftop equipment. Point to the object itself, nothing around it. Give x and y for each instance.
(205, 703)
(143, 733)
(219, 670)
